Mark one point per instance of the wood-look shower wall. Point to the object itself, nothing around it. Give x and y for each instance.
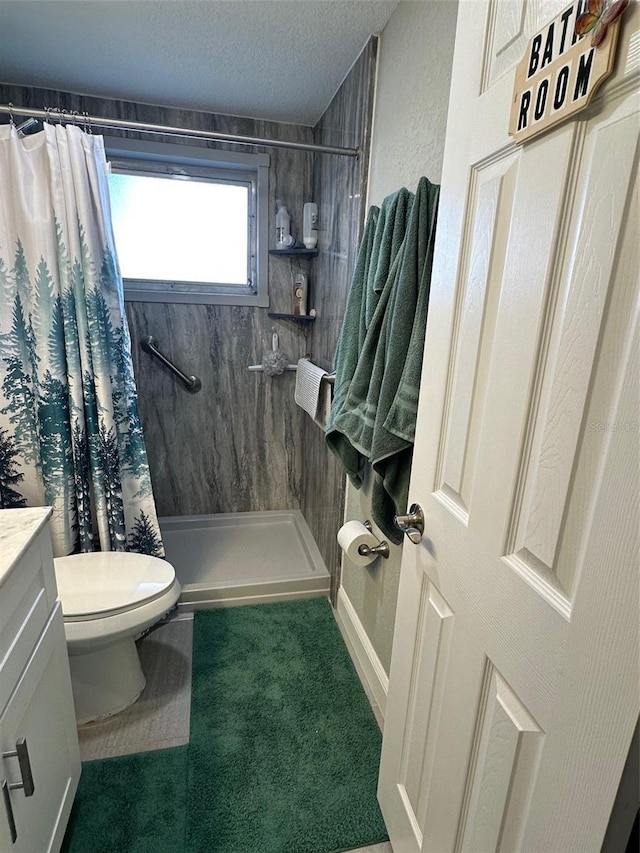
(340, 190)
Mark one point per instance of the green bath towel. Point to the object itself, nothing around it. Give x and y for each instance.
(388, 241)
(352, 335)
(394, 430)
(375, 418)
(381, 245)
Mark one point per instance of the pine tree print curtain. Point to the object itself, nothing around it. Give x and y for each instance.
(70, 434)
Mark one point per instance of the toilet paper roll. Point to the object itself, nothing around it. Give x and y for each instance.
(353, 534)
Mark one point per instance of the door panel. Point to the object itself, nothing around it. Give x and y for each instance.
(505, 39)
(503, 758)
(491, 202)
(435, 623)
(567, 362)
(512, 698)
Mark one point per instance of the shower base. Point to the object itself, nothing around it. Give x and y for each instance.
(243, 558)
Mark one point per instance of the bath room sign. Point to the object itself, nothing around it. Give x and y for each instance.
(560, 71)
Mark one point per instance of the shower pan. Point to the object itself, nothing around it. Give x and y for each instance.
(244, 558)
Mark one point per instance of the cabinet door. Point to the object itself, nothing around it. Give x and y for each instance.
(41, 711)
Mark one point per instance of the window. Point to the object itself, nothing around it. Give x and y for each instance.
(190, 224)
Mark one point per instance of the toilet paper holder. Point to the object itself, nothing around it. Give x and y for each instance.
(380, 550)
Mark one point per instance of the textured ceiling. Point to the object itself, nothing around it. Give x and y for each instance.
(274, 59)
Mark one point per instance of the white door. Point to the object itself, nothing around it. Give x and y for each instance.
(514, 678)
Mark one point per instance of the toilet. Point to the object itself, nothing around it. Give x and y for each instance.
(109, 599)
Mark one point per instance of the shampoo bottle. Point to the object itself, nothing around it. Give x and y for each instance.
(284, 240)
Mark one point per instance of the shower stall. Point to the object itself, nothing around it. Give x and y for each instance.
(249, 497)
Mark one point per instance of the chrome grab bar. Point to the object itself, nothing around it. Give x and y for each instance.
(191, 383)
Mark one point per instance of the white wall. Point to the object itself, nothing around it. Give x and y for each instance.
(412, 96)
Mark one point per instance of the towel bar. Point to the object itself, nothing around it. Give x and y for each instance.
(330, 378)
(258, 368)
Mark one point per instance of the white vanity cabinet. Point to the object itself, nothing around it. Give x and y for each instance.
(40, 763)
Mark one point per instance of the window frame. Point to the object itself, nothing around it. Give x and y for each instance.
(140, 157)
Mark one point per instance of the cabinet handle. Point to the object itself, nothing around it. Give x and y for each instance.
(6, 796)
(22, 754)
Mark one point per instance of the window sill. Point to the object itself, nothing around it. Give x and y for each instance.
(193, 296)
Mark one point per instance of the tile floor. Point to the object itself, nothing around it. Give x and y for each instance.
(160, 717)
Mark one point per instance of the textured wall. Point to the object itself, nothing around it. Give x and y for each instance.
(412, 96)
(339, 191)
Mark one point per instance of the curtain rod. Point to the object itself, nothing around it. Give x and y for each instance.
(49, 114)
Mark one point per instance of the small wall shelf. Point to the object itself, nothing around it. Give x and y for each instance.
(299, 318)
(300, 253)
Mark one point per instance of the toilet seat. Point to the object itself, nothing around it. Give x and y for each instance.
(100, 584)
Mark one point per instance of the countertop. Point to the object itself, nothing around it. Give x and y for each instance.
(18, 529)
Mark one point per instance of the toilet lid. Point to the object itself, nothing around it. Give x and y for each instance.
(108, 582)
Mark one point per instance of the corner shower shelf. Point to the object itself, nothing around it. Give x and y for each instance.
(301, 253)
(299, 318)
(292, 253)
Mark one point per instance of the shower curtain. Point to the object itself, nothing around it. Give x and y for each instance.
(70, 433)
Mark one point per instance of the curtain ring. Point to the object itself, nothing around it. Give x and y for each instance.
(11, 119)
(87, 124)
(48, 112)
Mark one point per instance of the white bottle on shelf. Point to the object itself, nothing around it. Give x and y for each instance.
(310, 225)
(284, 240)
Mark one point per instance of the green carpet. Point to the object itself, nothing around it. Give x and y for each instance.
(284, 748)
(130, 804)
(283, 756)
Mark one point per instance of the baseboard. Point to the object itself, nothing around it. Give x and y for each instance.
(364, 655)
(215, 599)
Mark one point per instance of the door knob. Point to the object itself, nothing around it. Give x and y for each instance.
(412, 524)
